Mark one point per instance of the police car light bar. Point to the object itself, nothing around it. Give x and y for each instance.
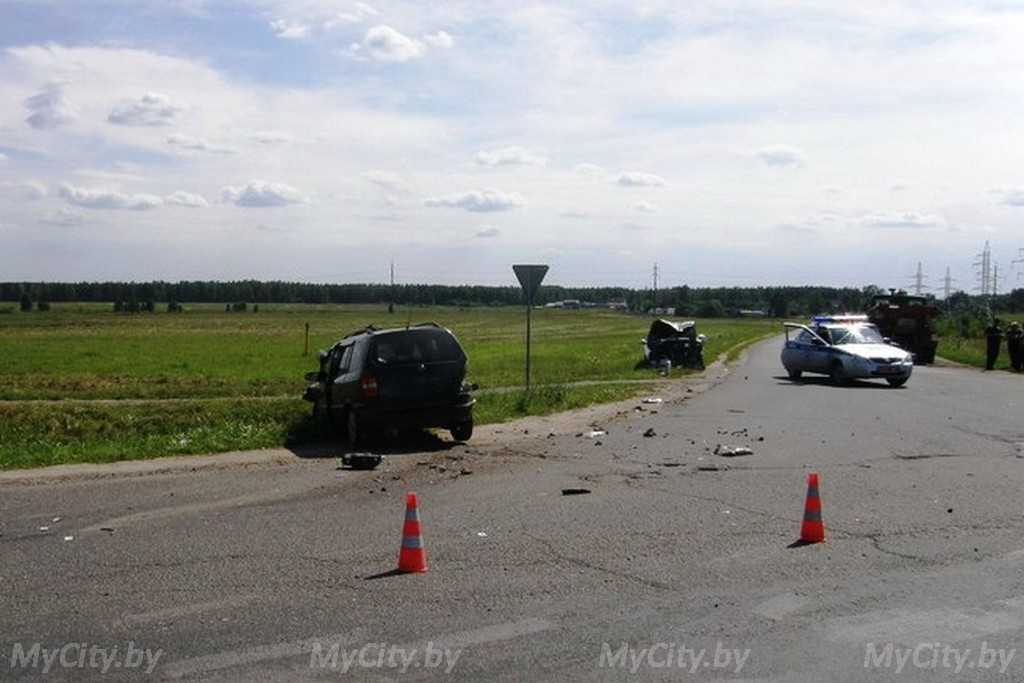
(844, 318)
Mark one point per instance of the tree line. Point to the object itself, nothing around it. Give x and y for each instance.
(701, 302)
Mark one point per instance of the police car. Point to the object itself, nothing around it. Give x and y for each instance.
(844, 348)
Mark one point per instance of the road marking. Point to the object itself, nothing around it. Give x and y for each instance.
(911, 627)
(194, 666)
(184, 611)
(194, 508)
(781, 606)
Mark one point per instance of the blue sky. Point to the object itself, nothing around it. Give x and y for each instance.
(731, 143)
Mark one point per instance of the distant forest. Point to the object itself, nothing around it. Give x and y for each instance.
(702, 302)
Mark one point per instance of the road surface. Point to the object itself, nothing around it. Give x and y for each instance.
(619, 548)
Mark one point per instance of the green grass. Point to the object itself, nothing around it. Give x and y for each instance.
(82, 384)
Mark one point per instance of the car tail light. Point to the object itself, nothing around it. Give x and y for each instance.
(368, 383)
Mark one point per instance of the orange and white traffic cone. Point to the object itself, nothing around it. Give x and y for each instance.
(412, 557)
(813, 528)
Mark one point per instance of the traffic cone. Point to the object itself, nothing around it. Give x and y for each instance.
(813, 528)
(412, 557)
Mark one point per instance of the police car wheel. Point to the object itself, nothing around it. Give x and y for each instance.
(837, 374)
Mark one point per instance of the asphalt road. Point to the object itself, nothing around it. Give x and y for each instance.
(676, 563)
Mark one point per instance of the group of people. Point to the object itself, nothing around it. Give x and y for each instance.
(1014, 344)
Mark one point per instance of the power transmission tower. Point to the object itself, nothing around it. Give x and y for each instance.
(985, 270)
(919, 279)
(947, 285)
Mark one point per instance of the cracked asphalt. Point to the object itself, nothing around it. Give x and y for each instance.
(651, 540)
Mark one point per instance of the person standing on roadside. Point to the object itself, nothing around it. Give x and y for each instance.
(1015, 345)
(993, 337)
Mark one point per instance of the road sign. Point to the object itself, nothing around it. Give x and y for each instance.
(530, 277)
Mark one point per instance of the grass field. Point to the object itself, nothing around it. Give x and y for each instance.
(82, 384)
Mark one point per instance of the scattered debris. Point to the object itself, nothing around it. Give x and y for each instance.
(732, 451)
(361, 461)
(574, 492)
(650, 432)
(482, 534)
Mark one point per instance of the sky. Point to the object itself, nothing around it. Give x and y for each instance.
(656, 142)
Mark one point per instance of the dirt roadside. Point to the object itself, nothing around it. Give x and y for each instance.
(517, 434)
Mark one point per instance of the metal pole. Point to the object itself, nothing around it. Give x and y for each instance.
(529, 300)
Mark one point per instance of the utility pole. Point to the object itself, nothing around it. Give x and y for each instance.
(654, 308)
(391, 306)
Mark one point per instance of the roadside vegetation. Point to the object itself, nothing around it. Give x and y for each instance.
(962, 339)
(81, 383)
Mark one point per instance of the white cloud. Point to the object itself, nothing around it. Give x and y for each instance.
(62, 217)
(388, 45)
(271, 137)
(188, 199)
(26, 190)
(486, 199)
(51, 108)
(781, 155)
(152, 109)
(636, 179)
(107, 199)
(1014, 198)
(910, 219)
(291, 30)
(511, 156)
(261, 193)
(440, 40)
(646, 207)
(488, 231)
(195, 144)
(589, 170)
(387, 180)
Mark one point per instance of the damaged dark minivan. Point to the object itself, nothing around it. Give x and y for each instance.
(673, 343)
(375, 382)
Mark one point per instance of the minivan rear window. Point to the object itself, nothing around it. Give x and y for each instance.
(416, 346)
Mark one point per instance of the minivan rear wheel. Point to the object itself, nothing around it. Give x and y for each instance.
(463, 430)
